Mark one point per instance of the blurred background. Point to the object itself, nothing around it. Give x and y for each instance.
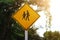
(47, 27)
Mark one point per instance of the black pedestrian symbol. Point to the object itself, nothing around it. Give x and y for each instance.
(26, 15)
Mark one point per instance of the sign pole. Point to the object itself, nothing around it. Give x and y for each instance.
(26, 35)
(23, 17)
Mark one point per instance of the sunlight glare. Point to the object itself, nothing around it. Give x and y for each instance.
(55, 10)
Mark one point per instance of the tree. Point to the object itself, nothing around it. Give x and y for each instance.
(7, 8)
(33, 35)
(48, 35)
(52, 35)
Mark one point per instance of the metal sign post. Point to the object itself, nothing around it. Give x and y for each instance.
(26, 34)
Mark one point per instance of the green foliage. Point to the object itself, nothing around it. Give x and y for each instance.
(52, 35)
(33, 35)
(8, 27)
(7, 1)
(17, 32)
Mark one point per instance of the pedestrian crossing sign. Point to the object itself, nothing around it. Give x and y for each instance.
(25, 16)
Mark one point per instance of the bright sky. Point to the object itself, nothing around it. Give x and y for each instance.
(55, 11)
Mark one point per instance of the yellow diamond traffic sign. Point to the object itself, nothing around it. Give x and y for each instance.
(25, 16)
